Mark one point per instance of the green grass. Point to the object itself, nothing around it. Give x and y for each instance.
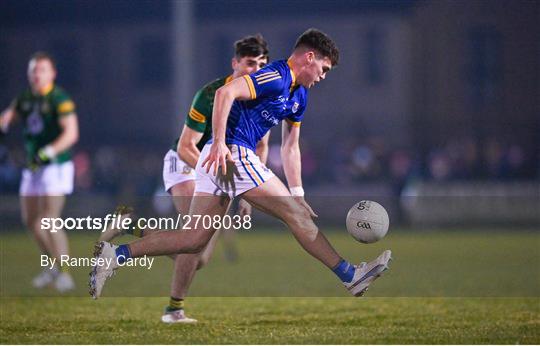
(453, 287)
(274, 321)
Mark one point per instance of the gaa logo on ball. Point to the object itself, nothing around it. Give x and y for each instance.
(367, 222)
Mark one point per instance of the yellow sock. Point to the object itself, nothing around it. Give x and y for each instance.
(175, 304)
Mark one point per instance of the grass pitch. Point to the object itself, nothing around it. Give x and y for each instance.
(452, 287)
(278, 320)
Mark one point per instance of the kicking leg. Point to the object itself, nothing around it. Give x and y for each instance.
(272, 197)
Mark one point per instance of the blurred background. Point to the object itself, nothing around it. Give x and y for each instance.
(433, 111)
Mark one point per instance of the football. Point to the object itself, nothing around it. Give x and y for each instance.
(367, 222)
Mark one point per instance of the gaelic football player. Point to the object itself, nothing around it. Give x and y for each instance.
(251, 54)
(244, 111)
(50, 130)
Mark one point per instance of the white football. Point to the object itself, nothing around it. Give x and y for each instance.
(367, 221)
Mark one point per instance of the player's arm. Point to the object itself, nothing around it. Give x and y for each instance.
(237, 89)
(7, 117)
(187, 146)
(67, 138)
(290, 154)
(69, 135)
(292, 164)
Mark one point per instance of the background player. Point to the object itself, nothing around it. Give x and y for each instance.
(244, 111)
(50, 130)
(251, 54)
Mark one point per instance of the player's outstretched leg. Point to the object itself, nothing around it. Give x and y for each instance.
(185, 265)
(157, 244)
(366, 273)
(274, 198)
(105, 253)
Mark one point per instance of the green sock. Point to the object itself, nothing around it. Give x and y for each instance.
(175, 304)
(64, 268)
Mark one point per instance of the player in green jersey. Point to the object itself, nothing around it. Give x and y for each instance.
(50, 130)
(251, 54)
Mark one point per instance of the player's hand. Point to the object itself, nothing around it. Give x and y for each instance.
(45, 155)
(303, 203)
(218, 156)
(244, 208)
(227, 182)
(39, 160)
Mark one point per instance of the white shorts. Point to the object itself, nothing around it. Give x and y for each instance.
(175, 171)
(248, 173)
(55, 179)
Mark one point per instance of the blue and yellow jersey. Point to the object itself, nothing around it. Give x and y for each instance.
(274, 97)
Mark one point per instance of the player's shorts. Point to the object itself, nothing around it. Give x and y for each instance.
(175, 171)
(247, 173)
(55, 179)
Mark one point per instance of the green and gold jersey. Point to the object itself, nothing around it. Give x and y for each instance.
(40, 115)
(200, 114)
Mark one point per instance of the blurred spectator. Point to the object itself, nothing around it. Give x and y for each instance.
(363, 161)
(514, 163)
(493, 156)
(83, 172)
(464, 158)
(439, 165)
(136, 170)
(400, 165)
(339, 160)
(369, 160)
(107, 170)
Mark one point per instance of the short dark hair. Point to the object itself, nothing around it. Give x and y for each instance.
(320, 42)
(41, 55)
(253, 45)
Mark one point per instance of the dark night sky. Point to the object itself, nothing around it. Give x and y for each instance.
(31, 12)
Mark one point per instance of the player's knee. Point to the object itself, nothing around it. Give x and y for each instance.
(298, 216)
(300, 222)
(34, 224)
(309, 228)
